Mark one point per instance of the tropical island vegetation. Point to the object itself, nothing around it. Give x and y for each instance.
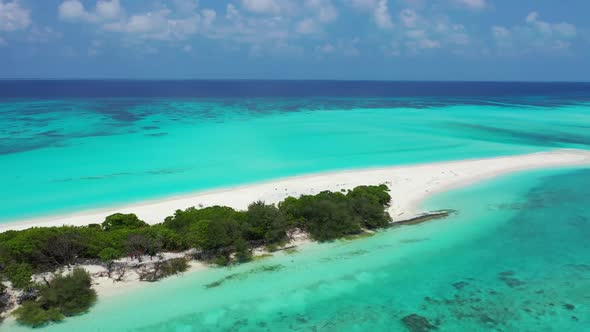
(218, 235)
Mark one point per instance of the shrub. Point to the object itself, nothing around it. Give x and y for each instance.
(109, 254)
(265, 222)
(32, 314)
(71, 294)
(140, 244)
(243, 251)
(174, 266)
(64, 295)
(326, 216)
(165, 269)
(19, 275)
(122, 221)
(369, 202)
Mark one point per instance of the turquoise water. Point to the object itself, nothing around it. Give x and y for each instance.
(515, 258)
(61, 155)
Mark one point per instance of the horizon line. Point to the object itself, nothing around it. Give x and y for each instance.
(281, 80)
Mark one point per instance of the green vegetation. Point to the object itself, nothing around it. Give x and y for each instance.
(165, 269)
(19, 275)
(331, 215)
(4, 301)
(220, 235)
(122, 221)
(63, 296)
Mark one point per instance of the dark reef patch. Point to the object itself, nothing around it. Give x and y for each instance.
(417, 323)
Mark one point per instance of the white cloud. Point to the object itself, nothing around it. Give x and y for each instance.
(535, 35)
(563, 30)
(108, 9)
(472, 4)
(364, 4)
(159, 24)
(208, 17)
(186, 6)
(307, 26)
(43, 35)
(262, 6)
(408, 18)
(324, 10)
(418, 33)
(327, 48)
(258, 30)
(348, 48)
(13, 17)
(381, 15)
(500, 32)
(379, 9)
(73, 10)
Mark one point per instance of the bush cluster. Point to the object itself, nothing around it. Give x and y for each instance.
(63, 296)
(221, 234)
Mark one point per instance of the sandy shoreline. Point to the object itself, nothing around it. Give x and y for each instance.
(409, 186)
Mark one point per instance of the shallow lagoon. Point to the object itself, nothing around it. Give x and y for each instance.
(60, 156)
(515, 258)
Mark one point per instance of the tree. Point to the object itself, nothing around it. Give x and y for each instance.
(243, 251)
(62, 249)
(139, 244)
(19, 275)
(265, 222)
(122, 221)
(109, 254)
(369, 203)
(64, 295)
(71, 294)
(329, 219)
(32, 314)
(379, 193)
(326, 216)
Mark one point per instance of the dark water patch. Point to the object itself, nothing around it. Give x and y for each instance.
(150, 127)
(345, 255)
(157, 134)
(246, 274)
(414, 240)
(460, 285)
(418, 323)
(164, 171)
(425, 217)
(579, 267)
(569, 306)
(497, 134)
(52, 133)
(12, 89)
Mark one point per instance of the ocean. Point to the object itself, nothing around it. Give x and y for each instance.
(72, 145)
(514, 258)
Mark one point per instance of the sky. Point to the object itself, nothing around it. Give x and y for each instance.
(522, 40)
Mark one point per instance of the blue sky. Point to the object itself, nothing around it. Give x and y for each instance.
(296, 39)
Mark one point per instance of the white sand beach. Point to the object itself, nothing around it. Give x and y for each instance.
(409, 186)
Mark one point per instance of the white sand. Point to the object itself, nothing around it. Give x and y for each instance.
(409, 185)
